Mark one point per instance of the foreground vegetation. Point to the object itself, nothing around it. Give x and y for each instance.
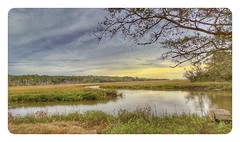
(58, 94)
(141, 121)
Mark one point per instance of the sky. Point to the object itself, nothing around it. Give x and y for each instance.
(63, 42)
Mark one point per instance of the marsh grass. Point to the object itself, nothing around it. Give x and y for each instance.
(170, 85)
(73, 93)
(140, 121)
(68, 94)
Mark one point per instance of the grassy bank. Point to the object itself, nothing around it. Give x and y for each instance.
(141, 121)
(58, 94)
(170, 85)
(78, 92)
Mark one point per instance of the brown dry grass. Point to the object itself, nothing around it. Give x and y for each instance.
(25, 88)
(53, 128)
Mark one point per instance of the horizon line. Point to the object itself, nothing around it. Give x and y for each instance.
(95, 76)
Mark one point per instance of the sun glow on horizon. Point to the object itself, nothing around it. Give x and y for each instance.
(153, 72)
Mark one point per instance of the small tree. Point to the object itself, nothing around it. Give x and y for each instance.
(197, 73)
(218, 68)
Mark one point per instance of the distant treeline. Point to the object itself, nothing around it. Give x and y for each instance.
(25, 80)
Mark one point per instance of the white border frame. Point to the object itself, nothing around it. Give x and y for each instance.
(6, 5)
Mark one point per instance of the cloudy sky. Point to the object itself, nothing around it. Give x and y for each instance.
(62, 42)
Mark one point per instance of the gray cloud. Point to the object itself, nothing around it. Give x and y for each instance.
(62, 42)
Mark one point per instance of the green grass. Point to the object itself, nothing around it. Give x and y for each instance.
(67, 94)
(170, 85)
(73, 93)
(140, 121)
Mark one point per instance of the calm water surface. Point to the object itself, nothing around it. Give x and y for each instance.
(161, 102)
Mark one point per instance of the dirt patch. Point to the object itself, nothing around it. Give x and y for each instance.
(52, 128)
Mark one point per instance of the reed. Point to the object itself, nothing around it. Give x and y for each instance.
(140, 121)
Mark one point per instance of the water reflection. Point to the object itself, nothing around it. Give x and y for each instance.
(42, 104)
(215, 99)
(162, 102)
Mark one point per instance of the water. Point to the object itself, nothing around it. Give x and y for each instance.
(161, 102)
